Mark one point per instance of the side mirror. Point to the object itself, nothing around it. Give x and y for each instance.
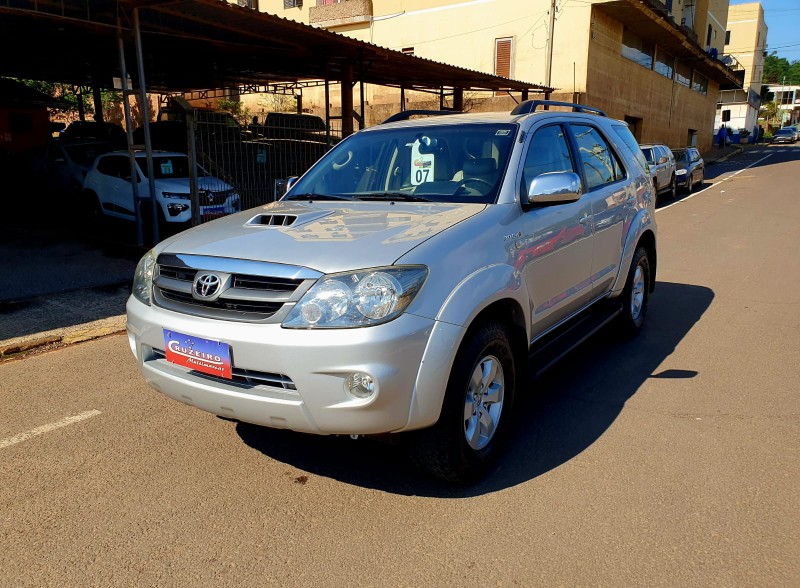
(291, 182)
(555, 188)
(59, 160)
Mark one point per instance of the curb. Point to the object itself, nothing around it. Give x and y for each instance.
(729, 155)
(62, 337)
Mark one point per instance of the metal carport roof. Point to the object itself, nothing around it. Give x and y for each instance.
(200, 44)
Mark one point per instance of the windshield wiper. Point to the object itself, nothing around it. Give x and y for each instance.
(392, 196)
(318, 197)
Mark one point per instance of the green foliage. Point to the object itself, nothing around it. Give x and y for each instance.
(779, 70)
(239, 112)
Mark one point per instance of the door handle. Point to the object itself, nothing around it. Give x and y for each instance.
(585, 219)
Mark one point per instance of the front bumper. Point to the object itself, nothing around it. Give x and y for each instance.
(316, 362)
(682, 180)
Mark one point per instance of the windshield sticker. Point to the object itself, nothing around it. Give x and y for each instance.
(166, 167)
(422, 165)
(502, 133)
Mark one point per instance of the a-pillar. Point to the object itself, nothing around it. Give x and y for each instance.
(347, 100)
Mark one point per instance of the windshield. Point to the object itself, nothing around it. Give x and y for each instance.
(680, 155)
(86, 154)
(168, 167)
(783, 132)
(441, 163)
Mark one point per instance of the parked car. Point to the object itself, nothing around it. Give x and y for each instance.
(690, 168)
(662, 167)
(61, 167)
(105, 132)
(108, 190)
(386, 292)
(784, 135)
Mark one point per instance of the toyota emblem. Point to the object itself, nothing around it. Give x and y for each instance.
(207, 285)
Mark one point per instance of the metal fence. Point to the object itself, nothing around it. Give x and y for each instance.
(255, 160)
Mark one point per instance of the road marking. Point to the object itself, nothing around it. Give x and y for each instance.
(715, 184)
(70, 420)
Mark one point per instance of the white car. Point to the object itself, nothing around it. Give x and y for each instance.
(108, 190)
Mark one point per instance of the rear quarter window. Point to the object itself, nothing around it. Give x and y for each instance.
(630, 142)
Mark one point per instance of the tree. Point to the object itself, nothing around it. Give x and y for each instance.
(778, 70)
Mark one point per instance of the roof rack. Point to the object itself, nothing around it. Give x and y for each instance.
(531, 105)
(406, 114)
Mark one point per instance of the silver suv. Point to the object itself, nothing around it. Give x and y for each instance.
(662, 167)
(407, 282)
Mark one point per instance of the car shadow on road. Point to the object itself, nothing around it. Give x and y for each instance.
(567, 410)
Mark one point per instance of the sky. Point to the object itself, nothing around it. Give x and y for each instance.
(783, 24)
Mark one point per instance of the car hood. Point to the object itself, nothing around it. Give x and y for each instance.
(327, 236)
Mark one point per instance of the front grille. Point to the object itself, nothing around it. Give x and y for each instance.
(212, 197)
(243, 378)
(266, 309)
(250, 291)
(177, 273)
(262, 283)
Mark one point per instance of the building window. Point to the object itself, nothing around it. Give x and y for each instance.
(664, 63)
(251, 4)
(700, 84)
(407, 51)
(637, 49)
(683, 74)
(292, 3)
(502, 57)
(708, 35)
(728, 38)
(758, 39)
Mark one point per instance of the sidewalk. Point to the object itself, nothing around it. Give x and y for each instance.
(59, 288)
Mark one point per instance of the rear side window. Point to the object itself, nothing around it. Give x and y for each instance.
(600, 164)
(111, 166)
(627, 138)
(548, 152)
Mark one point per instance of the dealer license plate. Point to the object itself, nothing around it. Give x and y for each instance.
(204, 355)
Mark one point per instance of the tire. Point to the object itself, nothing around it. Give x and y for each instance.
(702, 179)
(461, 447)
(689, 184)
(673, 188)
(636, 294)
(92, 213)
(655, 190)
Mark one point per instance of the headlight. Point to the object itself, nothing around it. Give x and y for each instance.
(143, 278)
(680, 172)
(178, 195)
(357, 299)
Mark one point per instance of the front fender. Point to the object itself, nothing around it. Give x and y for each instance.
(643, 221)
(471, 296)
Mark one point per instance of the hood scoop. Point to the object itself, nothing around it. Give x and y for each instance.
(273, 219)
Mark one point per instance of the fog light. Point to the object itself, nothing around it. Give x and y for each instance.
(176, 209)
(360, 385)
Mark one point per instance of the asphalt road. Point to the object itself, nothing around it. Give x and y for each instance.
(669, 460)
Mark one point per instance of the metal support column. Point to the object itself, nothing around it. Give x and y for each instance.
(402, 99)
(194, 193)
(148, 145)
(98, 102)
(81, 107)
(525, 94)
(458, 99)
(346, 84)
(327, 113)
(126, 91)
(362, 122)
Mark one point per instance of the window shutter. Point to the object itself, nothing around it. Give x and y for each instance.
(502, 57)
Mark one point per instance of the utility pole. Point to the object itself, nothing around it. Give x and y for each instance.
(549, 63)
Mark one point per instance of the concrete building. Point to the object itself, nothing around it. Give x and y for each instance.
(788, 101)
(745, 41)
(653, 63)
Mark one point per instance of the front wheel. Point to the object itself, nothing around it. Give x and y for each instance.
(464, 443)
(673, 188)
(689, 184)
(636, 294)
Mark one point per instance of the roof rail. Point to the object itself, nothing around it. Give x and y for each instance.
(406, 114)
(531, 105)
